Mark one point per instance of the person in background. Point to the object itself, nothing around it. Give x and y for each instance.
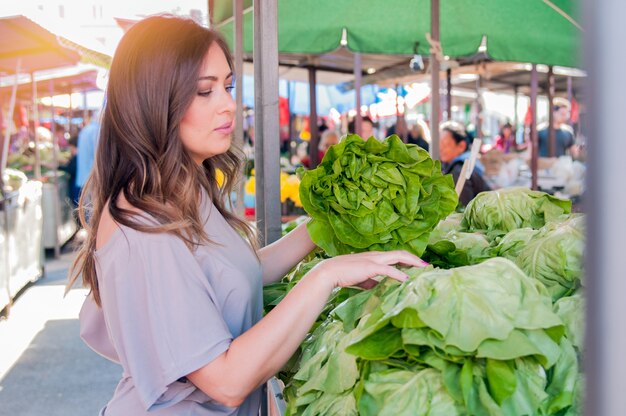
(175, 277)
(454, 150)
(87, 142)
(419, 134)
(367, 127)
(329, 138)
(564, 134)
(73, 192)
(505, 140)
(59, 133)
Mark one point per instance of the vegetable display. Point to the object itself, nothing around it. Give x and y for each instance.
(492, 328)
(480, 340)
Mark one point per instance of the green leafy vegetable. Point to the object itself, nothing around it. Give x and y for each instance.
(554, 256)
(571, 310)
(368, 195)
(498, 212)
(514, 241)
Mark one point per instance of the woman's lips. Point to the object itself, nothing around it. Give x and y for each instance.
(225, 128)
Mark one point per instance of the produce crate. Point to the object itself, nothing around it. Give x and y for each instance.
(275, 405)
(67, 225)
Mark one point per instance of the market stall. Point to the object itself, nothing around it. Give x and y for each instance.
(59, 221)
(26, 48)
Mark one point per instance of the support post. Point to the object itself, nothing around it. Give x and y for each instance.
(314, 140)
(238, 41)
(357, 90)
(434, 81)
(551, 131)
(267, 152)
(534, 87)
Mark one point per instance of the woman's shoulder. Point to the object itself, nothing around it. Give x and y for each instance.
(109, 230)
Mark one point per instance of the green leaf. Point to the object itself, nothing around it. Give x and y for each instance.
(399, 393)
(501, 379)
(571, 310)
(562, 387)
(378, 346)
(555, 256)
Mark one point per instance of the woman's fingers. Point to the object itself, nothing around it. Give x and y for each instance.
(399, 257)
(393, 273)
(368, 284)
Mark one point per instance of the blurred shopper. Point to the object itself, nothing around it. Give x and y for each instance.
(175, 278)
(506, 141)
(419, 134)
(564, 134)
(59, 134)
(329, 138)
(454, 150)
(87, 142)
(367, 127)
(73, 192)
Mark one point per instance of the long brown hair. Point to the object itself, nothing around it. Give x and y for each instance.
(140, 154)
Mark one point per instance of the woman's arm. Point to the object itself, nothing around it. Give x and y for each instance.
(259, 353)
(282, 255)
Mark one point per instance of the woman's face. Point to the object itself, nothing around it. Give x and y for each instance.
(449, 149)
(367, 129)
(207, 126)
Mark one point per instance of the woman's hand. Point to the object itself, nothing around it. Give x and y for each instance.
(361, 268)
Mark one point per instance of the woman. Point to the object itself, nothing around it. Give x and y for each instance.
(453, 150)
(505, 140)
(176, 293)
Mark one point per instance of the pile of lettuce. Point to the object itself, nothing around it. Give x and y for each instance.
(498, 212)
(533, 229)
(371, 195)
(493, 327)
(479, 340)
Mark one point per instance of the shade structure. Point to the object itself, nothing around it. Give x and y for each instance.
(80, 82)
(536, 31)
(37, 48)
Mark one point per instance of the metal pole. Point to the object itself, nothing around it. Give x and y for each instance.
(551, 132)
(238, 41)
(70, 115)
(534, 149)
(314, 140)
(434, 82)
(35, 125)
(267, 152)
(85, 111)
(357, 90)
(292, 148)
(7, 131)
(479, 109)
(515, 102)
(605, 342)
(570, 96)
(449, 94)
(55, 175)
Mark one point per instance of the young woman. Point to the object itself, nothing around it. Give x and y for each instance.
(175, 290)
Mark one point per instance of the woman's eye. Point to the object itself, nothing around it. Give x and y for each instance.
(204, 93)
(229, 88)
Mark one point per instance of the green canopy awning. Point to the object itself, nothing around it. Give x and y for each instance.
(534, 31)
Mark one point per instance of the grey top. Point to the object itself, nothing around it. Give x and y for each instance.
(167, 311)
